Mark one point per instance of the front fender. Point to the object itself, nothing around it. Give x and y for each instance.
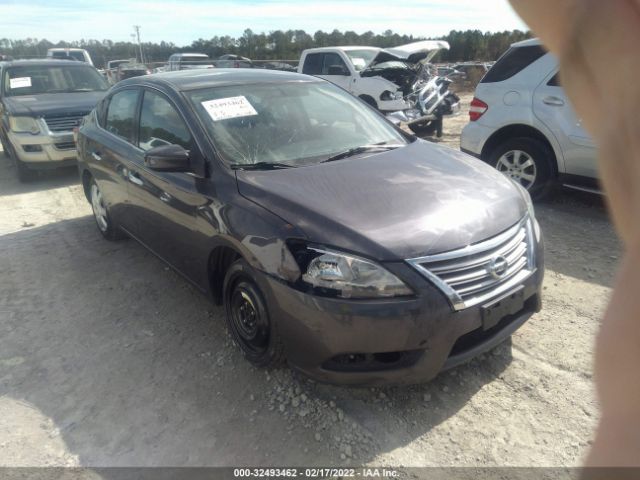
(256, 234)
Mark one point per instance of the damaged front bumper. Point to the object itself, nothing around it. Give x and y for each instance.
(414, 115)
(431, 102)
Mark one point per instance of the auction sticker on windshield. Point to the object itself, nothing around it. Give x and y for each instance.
(20, 82)
(231, 107)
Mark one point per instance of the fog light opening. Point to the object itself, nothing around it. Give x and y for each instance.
(32, 148)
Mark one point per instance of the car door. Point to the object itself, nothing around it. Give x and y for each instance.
(552, 106)
(327, 65)
(109, 148)
(167, 206)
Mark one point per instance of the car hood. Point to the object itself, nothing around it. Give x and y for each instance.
(53, 103)
(414, 52)
(413, 201)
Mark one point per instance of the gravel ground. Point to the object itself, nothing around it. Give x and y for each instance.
(108, 358)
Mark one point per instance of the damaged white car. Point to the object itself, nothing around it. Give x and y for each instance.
(396, 80)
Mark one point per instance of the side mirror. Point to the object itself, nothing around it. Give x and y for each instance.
(168, 158)
(337, 70)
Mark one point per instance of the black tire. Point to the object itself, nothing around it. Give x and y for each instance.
(25, 174)
(248, 319)
(102, 218)
(5, 150)
(542, 159)
(424, 129)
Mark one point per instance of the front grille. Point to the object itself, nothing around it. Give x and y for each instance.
(65, 145)
(64, 123)
(479, 272)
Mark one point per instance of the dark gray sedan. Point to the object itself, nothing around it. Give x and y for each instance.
(335, 241)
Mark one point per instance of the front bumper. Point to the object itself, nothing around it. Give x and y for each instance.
(45, 150)
(407, 341)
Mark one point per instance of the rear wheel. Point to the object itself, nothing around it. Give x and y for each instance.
(528, 162)
(101, 214)
(248, 319)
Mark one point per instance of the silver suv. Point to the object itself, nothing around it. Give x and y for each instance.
(521, 122)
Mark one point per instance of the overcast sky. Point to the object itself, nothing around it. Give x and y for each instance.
(185, 21)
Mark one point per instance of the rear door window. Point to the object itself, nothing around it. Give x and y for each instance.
(121, 114)
(313, 64)
(513, 62)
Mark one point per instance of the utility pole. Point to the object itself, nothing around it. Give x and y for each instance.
(137, 29)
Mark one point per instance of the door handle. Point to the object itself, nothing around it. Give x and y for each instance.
(165, 197)
(96, 156)
(553, 101)
(134, 178)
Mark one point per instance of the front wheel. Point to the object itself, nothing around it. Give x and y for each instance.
(248, 319)
(526, 161)
(25, 174)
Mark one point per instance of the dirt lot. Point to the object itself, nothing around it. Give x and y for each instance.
(108, 358)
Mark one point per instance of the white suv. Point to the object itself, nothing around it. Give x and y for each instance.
(523, 124)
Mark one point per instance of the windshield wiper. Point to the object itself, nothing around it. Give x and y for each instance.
(362, 149)
(261, 166)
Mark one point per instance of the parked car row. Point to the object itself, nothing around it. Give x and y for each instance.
(336, 241)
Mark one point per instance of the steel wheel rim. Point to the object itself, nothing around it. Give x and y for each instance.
(99, 210)
(519, 166)
(248, 321)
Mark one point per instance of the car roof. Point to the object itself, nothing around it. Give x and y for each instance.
(65, 49)
(195, 79)
(527, 43)
(191, 55)
(345, 48)
(45, 63)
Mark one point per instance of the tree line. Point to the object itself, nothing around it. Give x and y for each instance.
(465, 45)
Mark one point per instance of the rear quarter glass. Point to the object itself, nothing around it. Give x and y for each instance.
(513, 62)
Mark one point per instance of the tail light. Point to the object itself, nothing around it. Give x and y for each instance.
(478, 108)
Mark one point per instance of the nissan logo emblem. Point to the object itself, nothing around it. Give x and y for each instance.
(498, 266)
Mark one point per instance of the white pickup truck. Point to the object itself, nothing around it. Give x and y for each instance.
(384, 78)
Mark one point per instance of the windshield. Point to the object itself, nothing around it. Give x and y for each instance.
(37, 79)
(73, 54)
(117, 63)
(195, 61)
(296, 123)
(361, 58)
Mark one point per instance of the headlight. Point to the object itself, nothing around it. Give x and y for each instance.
(24, 125)
(389, 95)
(351, 277)
(527, 198)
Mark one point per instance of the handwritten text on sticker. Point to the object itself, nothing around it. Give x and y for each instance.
(231, 107)
(20, 82)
